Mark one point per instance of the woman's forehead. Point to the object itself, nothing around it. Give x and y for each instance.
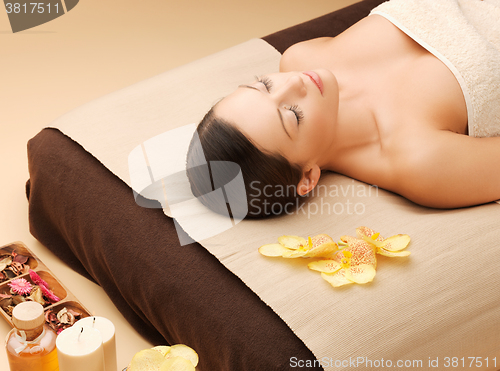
(244, 104)
(254, 114)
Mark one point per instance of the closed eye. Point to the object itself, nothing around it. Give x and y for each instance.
(268, 84)
(298, 113)
(266, 81)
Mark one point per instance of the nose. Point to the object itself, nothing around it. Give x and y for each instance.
(293, 87)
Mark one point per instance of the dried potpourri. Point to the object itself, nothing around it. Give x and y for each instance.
(22, 290)
(64, 318)
(8, 302)
(13, 265)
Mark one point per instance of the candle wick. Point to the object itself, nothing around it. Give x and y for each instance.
(93, 323)
(80, 334)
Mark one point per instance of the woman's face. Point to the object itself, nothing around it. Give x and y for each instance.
(292, 113)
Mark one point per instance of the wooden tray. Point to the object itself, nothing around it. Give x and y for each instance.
(68, 300)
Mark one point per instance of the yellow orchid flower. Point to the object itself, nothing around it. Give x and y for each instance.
(391, 246)
(320, 246)
(354, 264)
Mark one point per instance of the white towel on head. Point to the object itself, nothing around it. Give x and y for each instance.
(465, 35)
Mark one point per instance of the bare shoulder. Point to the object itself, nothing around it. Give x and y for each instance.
(295, 57)
(316, 52)
(447, 170)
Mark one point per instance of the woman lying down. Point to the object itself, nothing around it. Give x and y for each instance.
(372, 104)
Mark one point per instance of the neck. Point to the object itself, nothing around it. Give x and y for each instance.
(356, 126)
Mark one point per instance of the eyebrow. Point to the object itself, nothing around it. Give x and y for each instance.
(279, 112)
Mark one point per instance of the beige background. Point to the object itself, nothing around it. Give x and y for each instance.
(96, 48)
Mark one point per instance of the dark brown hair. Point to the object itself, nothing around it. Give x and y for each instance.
(270, 180)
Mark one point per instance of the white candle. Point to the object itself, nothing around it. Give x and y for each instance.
(107, 330)
(79, 350)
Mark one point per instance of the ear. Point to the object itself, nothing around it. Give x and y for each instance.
(309, 180)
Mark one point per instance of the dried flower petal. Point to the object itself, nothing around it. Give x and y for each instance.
(20, 286)
(65, 317)
(36, 295)
(37, 280)
(21, 259)
(5, 302)
(9, 310)
(5, 262)
(18, 299)
(49, 294)
(9, 274)
(75, 313)
(16, 268)
(50, 316)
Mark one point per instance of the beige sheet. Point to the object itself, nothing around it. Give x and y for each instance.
(440, 302)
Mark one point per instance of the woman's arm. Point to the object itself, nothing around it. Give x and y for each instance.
(448, 170)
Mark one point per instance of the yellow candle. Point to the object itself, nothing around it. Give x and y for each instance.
(107, 330)
(80, 349)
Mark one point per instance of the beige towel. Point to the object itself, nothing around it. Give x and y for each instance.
(465, 35)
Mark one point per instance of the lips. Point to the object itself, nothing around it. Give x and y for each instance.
(316, 79)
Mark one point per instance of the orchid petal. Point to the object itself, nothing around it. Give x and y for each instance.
(320, 246)
(368, 232)
(394, 243)
(363, 273)
(183, 351)
(176, 364)
(147, 359)
(397, 242)
(292, 242)
(393, 254)
(348, 239)
(378, 244)
(321, 238)
(292, 254)
(336, 279)
(325, 266)
(273, 250)
(325, 250)
(347, 253)
(362, 252)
